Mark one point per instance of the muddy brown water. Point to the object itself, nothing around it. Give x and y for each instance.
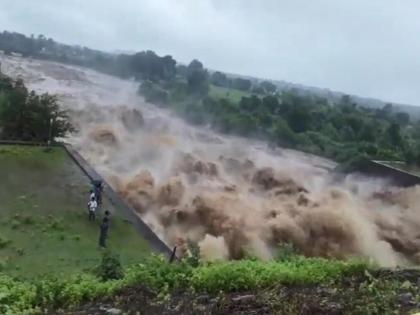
(232, 195)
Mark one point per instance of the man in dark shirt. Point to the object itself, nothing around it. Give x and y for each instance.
(103, 232)
(97, 189)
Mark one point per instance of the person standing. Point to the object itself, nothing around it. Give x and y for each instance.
(97, 189)
(92, 206)
(103, 234)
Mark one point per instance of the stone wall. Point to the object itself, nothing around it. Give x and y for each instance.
(396, 176)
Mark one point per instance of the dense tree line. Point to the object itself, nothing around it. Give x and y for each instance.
(343, 130)
(142, 65)
(146, 65)
(340, 129)
(25, 115)
(257, 87)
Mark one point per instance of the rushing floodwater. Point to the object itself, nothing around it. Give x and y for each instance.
(231, 195)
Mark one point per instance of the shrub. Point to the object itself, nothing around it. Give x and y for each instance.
(246, 275)
(286, 251)
(110, 267)
(193, 258)
(14, 224)
(28, 220)
(4, 242)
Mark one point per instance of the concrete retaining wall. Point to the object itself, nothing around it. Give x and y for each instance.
(129, 213)
(395, 175)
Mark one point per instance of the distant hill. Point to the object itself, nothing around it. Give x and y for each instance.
(333, 96)
(110, 62)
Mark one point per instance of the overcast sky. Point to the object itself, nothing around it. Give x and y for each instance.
(365, 47)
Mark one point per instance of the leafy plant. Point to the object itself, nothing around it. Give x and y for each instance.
(193, 258)
(4, 242)
(286, 251)
(110, 267)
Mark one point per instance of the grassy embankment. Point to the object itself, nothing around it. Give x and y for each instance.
(43, 223)
(228, 93)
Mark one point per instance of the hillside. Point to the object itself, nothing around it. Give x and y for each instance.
(43, 217)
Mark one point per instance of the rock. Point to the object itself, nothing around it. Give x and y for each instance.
(244, 298)
(406, 285)
(114, 311)
(406, 299)
(203, 299)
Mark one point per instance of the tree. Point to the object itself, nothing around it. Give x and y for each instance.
(197, 78)
(250, 104)
(241, 84)
(271, 103)
(368, 133)
(243, 125)
(283, 135)
(385, 112)
(219, 79)
(257, 89)
(268, 87)
(355, 121)
(402, 118)
(27, 116)
(147, 65)
(394, 135)
(299, 119)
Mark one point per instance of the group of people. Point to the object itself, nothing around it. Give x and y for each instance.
(95, 200)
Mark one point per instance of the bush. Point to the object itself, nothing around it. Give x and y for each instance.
(193, 258)
(110, 267)
(246, 275)
(4, 242)
(286, 251)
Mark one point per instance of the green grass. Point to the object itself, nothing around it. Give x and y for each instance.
(43, 220)
(156, 274)
(231, 94)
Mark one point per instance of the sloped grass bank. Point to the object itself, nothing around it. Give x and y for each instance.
(43, 217)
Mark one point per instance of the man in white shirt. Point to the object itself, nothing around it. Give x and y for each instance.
(92, 205)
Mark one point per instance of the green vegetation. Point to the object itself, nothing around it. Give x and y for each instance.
(232, 95)
(155, 273)
(25, 115)
(341, 130)
(282, 287)
(43, 220)
(142, 65)
(49, 258)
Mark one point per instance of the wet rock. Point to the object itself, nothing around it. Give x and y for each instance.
(203, 299)
(406, 299)
(114, 311)
(244, 298)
